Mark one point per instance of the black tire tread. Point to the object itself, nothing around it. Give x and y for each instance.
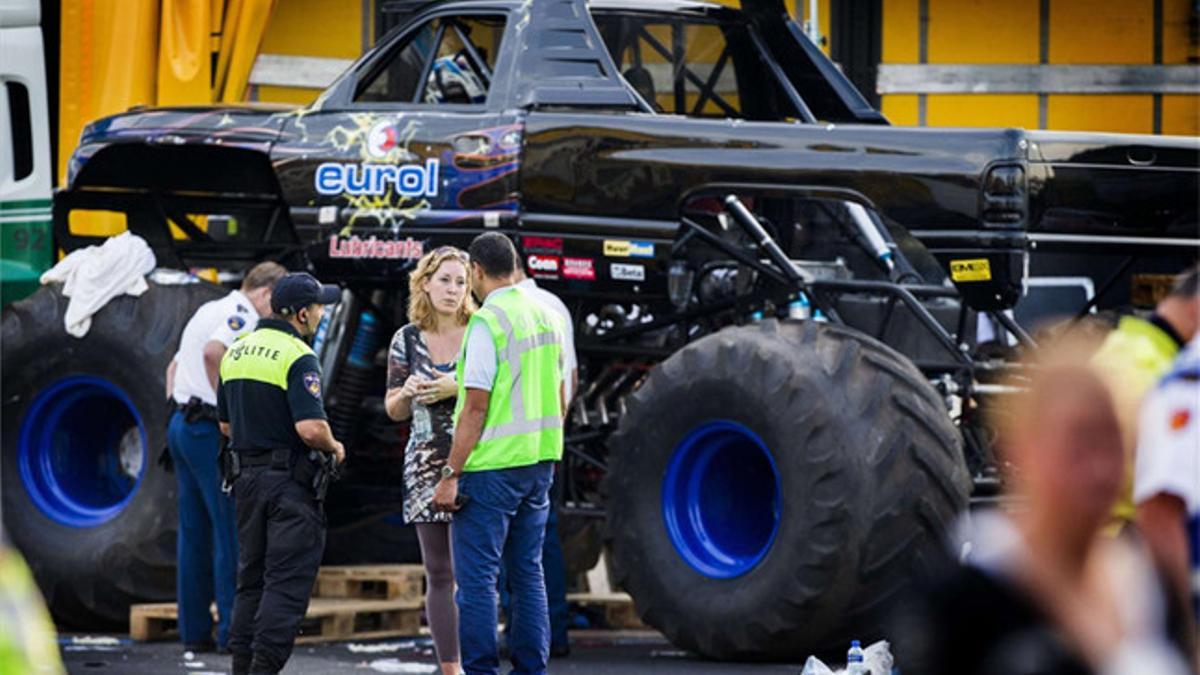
(920, 448)
(138, 565)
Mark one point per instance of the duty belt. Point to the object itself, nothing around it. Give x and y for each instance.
(278, 459)
(315, 471)
(196, 410)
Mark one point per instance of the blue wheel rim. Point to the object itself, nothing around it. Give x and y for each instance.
(82, 451)
(721, 499)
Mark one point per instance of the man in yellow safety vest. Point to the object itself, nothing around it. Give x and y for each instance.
(507, 435)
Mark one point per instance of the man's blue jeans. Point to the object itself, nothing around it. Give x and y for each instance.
(555, 569)
(207, 544)
(502, 524)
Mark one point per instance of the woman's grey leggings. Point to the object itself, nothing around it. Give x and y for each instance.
(439, 594)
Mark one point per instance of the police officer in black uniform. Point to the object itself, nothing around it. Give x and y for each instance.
(270, 406)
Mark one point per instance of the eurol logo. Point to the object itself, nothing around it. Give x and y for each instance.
(543, 265)
(406, 180)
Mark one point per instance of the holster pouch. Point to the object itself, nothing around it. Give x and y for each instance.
(230, 464)
(326, 472)
(196, 410)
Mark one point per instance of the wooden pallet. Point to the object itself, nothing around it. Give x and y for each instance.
(330, 620)
(154, 621)
(618, 608)
(326, 620)
(371, 582)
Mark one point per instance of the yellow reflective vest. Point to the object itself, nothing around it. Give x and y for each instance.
(524, 418)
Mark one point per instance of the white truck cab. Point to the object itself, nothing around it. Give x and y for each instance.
(26, 166)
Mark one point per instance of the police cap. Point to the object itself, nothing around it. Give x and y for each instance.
(300, 289)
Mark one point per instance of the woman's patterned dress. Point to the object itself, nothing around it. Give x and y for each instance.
(432, 426)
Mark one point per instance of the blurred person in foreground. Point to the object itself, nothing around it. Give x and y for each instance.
(1167, 487)
(28, 644)
(1040, 590)
(1134, 356)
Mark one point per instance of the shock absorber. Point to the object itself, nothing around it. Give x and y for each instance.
(355, 378)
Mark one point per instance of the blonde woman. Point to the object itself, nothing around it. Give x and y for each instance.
(421, 386)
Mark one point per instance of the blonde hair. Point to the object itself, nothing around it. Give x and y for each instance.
(420, 307)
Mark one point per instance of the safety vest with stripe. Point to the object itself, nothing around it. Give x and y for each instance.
(524, 417)
(256, 389)
(265, 356)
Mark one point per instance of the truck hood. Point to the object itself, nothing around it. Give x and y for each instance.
(242, 125)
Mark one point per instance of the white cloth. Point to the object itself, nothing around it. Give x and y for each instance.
(223, 320)
(552, 301)
(94, 275)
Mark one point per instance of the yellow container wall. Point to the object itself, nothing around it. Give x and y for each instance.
(983, 31)
(901, 30)
(1093, 32)
(1181, 115)
(982, 110)
(290, 33)
(315, 28)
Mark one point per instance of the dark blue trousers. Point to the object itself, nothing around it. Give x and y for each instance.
(502, 524)
(554, 567)
(207, 545)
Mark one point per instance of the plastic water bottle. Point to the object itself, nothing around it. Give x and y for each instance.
(854, 660)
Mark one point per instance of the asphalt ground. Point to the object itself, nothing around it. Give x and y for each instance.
(592, 653)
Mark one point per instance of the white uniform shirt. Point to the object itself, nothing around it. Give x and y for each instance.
(224, 321)
(1168, 450)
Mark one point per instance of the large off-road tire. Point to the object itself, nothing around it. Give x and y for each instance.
(772, 487)
(84, 422)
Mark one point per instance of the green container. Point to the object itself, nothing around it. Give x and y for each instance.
(26, 247)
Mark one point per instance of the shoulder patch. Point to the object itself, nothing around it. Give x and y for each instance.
(312, 382)
(235, 322)
(1179, 419)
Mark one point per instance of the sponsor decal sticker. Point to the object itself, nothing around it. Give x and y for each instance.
(235, 322)
(312, 382)
(382, 139)
(618, 248)
(406, 180)
(543, 244)
(1180, 419)
(579, 268)
(543, 266)
(374, 248)
(625, 272)
(978, 269)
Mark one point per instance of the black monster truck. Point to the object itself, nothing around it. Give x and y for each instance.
(780, 299)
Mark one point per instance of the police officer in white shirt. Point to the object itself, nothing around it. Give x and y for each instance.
(1166, 484)
(207, 542)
